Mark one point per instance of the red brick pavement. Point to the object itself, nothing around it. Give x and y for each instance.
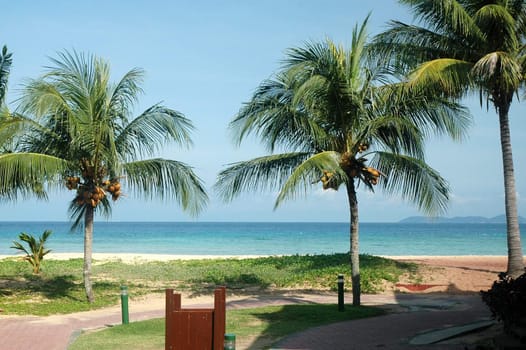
(390, 332)
(393, 331)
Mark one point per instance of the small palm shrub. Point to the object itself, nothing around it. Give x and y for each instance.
(507, 302)
(35, 250)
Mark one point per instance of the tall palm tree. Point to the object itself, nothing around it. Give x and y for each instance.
(83, 120)
(466, 46)
(341, 125)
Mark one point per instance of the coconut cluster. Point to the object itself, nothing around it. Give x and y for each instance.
(362, 147)
(90, 196)
(113, 187)
(72, 182)
(93, 195)
(371, 174)
(329, 181)
(356, 167)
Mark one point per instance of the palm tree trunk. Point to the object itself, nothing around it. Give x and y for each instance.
(88, 250)
(355, 251)
(515, 258)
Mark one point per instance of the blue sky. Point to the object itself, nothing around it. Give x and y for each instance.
(204, 59)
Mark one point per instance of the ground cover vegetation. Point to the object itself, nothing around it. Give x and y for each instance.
(58, 287)
(256, 328)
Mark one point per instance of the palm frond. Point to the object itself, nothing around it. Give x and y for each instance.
(11, 128)
(166, 179)
(5, 67)
(446, 16)
(310, 92)
(397, 134)
(308, 172)
(429, 112)
(25, 174)
(517, 10)
(309, 54)
(41, 99)
(153, 128)
(416, 181)
(498, 70)
(500, 27)
(355, 57)
(276, 120)
(20, 247)
(406, 46)
(269, 99)
(125, 93)
(259, 174)
(76, 213)
(446, 76)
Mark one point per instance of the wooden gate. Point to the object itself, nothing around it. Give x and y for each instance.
(195, 329)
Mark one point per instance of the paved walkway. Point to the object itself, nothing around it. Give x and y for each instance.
(423, 316)
(411, 314)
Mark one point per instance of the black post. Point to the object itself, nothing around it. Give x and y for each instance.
(341, 306)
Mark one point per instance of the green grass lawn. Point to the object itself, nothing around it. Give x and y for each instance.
(59, 287)
(257, 328)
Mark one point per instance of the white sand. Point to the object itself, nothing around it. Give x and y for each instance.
(131, 257)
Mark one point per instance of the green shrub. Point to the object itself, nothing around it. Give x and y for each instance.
(507, 302)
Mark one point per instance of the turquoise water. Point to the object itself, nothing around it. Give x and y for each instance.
(222, 238)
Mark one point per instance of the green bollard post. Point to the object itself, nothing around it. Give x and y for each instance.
(124, 305)
(230, 342)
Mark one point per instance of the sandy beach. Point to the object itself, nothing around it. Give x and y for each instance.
(451, 274)
(457, 274)
(136, 258)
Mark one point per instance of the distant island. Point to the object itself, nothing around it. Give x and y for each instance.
(500, 219)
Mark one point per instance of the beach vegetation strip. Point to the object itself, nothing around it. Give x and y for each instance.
(59, 289)
(254, 328)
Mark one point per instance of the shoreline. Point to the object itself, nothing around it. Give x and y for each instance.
(137, 257)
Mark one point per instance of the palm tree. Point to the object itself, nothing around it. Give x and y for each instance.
(83, 120)
(466, 46)
(339, 124)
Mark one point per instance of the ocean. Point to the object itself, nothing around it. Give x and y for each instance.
(267, 238)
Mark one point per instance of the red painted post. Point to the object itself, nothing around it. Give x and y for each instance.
(219, 318)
